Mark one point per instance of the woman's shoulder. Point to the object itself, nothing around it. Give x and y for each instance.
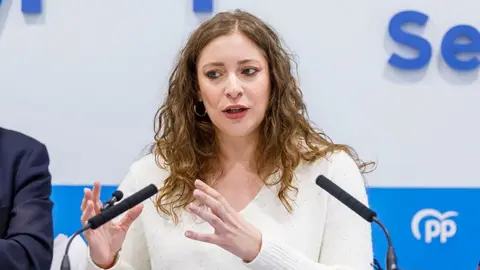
(149, 169)
(340, 161)
(333, 162)
(338, 166)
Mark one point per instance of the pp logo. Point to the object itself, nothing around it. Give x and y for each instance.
(437, 225)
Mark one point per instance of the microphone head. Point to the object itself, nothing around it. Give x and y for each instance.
(118, 195)
(345, 198)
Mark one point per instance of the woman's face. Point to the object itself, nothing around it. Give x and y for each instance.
(234, 84)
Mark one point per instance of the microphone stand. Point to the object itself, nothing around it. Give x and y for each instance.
(361, 210)
(66, 261)
(391, 260)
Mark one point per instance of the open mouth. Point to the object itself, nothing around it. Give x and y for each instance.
(236, 113)
(235, 110)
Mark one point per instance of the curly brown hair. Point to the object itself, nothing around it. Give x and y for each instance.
(187, 144)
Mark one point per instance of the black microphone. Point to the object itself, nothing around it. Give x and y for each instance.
(122, 206)
(362, 210)
(117, 196)
(109, 214)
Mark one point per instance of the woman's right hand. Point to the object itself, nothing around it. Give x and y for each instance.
(105, 241)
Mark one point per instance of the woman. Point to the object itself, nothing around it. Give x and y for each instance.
(235, 160)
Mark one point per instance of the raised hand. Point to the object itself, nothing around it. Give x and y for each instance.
(105, 241)
(232, 232)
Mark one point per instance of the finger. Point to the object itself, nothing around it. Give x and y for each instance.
(86, 197)
(213, 204)
(87, 213)
(96, 190)
(130, 217)
(214, 194)
(208, 216)
(96, 196)
(207, 238)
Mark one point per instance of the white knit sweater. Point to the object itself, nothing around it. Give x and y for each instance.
(320, 234)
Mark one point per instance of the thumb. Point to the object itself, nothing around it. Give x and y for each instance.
(130, 217)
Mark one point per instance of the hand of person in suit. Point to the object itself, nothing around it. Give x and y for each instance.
(105, 241)
(232, 232)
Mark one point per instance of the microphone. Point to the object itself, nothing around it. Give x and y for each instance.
(109, 214)
(117, 195)
(361, 210)
(121, 207)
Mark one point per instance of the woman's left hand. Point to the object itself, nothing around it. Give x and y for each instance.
(232, 232)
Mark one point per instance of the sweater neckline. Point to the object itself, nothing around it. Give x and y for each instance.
(261, 193)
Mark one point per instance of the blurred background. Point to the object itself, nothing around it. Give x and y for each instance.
(86, 78)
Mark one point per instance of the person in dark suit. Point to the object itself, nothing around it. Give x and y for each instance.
(26, 222)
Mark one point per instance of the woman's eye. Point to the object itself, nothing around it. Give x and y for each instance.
(249, 71)
(213, 74)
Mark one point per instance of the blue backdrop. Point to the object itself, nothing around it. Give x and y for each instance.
(456, 237)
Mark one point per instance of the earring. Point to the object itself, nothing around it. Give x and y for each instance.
(201, 107)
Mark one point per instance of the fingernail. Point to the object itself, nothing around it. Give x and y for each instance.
(188, 234)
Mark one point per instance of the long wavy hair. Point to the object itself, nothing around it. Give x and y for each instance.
(186, 145)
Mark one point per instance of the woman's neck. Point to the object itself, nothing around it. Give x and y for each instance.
(236, 151)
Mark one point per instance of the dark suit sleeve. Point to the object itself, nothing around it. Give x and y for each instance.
(29, 239)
